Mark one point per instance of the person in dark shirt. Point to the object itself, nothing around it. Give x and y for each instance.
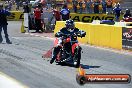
(26, 7)
(65, 13)
(104, 5)
(3, 24)
(81, 6)
(127, 13)
(109, 6)
(75, 3)
(117, 12)
(96, 6)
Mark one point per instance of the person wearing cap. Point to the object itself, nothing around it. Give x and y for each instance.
(117, 12)
(3, 24)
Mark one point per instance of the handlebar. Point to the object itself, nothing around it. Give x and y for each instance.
(76, 34)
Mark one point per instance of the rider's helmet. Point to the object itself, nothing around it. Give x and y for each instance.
(127, 11)
(70, 24)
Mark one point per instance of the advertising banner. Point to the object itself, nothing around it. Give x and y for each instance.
(16, 16)
(88, 18)
(127, 38)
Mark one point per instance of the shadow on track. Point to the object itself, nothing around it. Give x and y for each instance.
(88, 66)
(82, 65)
(65, 64)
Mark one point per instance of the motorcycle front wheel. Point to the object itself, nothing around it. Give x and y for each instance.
(77, 57)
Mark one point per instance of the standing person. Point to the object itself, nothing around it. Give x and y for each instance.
(44, 16)
(104, 5)
(81, 6)
(6, 5)
(37, 16)
(43, 2)
(49, 5)
(3, 24)
(89, 6)
(117, 12)
(75, 3)
(109, 6)
(65, 13)
(57, 15)
(96, 6)
(53, 4)
(10, 5)
(18, 4)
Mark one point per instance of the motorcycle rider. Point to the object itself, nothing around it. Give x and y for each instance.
(69, 29)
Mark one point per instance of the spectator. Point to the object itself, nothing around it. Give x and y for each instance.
(117, 12)
(37, 16)
(53, 3)
(57, 15)
(75, 3)
(89, 4)
(25, 7)
(18, 4)
(109, 6)
(6, 4)
(127, 13)
(43, 2)
(49, 5)
(3, 24)
(81, 6)
(9, 5)
(65, 13)
(104, 4)
(48, 18)
(96, 6)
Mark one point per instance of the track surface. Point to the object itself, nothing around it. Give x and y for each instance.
(23, 61)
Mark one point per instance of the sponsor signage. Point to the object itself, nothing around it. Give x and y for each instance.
(127, 38)
(16, 15)
(88, 18)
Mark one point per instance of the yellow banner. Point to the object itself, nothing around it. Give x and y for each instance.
(90, 17)
(16, 16)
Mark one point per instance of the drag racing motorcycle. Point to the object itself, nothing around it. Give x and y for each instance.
(70, 52)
